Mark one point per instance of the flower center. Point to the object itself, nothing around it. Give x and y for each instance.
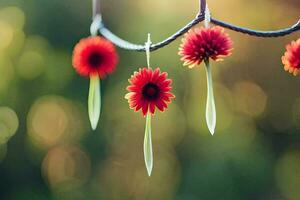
(150, 91)
(210, 50)
(95, 59)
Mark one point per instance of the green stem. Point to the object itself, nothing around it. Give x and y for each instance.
(210, 101)
(148, 153)
(94, 101)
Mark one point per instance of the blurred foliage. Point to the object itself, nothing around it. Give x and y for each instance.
(48, 151)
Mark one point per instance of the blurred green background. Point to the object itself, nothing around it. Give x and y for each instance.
(48, 150)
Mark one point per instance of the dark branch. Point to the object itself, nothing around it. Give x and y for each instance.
(256, 33)
(136, 47)
(199, 18)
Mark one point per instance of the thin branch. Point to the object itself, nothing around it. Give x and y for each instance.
(136, 47)
(199, 18)
(202, 6)
(257, 33)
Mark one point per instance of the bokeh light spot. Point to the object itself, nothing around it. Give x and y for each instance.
(53, 120)
(31, 65)
(14, 16)
(6, 35)
(8, 124)
(249, 98)
(66, 167)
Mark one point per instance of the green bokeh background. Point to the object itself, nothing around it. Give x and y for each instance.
(254, 154)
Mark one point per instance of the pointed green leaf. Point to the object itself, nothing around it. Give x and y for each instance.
(210, 101)
(148, 154)
(94, 101)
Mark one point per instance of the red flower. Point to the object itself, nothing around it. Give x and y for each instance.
(94, 56)
(149, 89)
(291, 58)
(204, 43)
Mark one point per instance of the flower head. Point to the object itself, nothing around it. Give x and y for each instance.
(291, 58)
(149, 89)
(94, 56)
(204, 43)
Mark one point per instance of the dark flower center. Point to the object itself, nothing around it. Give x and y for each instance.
(95, 59)
(210, 50)
(150, 91)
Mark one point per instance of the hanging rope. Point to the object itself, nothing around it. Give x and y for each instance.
(98, 22)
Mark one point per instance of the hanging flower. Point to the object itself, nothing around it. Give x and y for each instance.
(291, 58)
(94, 56)
(149, 89)
(204, 43)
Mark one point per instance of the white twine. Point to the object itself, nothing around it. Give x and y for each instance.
(207, 17)
(147, 48)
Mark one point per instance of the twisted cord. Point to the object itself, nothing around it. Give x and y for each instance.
(136, 47)
(256, 33)
(199, 18)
